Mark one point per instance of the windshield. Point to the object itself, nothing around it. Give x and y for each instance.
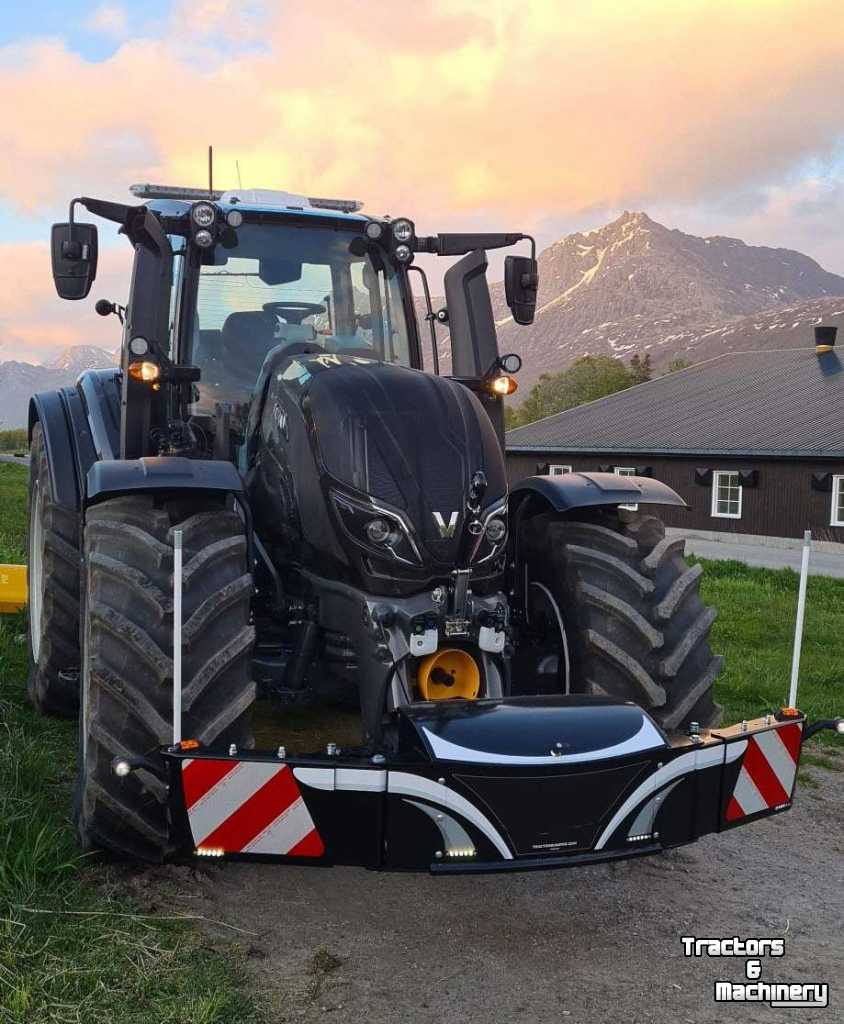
(294, 288)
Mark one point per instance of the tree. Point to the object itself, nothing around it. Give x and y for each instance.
(677, 364)
(588, 378)
(640, 368)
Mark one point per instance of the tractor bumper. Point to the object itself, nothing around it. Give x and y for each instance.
(490, 785)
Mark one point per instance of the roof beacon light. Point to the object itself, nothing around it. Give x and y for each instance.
(343, 205)
(147, 191)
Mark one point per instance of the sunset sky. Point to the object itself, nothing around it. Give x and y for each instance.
(715, 116)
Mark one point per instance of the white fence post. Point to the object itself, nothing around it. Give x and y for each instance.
(177, 636)
(801, 612)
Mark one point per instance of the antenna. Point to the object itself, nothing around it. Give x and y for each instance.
(237, 166)
(211, 171)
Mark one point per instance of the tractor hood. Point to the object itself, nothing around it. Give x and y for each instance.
(404, 446)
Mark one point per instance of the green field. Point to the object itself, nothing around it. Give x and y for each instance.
(73, 947)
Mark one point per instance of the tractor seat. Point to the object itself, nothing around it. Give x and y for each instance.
(246, 340)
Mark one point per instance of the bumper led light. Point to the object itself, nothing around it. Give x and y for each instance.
(210, 851)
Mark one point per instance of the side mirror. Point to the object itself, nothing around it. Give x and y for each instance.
(74, 252)
(521, 281)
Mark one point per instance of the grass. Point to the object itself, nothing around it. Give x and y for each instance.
(755, 632)
(13, 440)
(74, 947)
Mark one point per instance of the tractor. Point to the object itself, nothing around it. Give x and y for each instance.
(272, 499)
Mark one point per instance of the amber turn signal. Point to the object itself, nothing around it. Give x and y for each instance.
(188, 744)
(504, 385)
(145, 371)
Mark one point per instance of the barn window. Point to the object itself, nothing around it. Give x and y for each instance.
(726, 494)
(837, 501)
(559, 470)
(626, 471)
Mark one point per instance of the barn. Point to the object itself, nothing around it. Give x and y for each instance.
(753, 441)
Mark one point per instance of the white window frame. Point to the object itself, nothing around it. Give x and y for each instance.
(837, 491)
(557, 470)
(716, 476)
(626, 471)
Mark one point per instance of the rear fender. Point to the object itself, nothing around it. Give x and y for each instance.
(590, 490)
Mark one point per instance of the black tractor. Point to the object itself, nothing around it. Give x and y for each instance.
(349, 536)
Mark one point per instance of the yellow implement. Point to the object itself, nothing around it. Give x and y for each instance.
(12, 588)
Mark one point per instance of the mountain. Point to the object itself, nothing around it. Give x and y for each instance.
(635, 286)
(20, 380)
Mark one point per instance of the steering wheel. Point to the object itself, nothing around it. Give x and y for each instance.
(294, 312)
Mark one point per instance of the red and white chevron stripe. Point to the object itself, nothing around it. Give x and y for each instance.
(768, 771)
(248, 807)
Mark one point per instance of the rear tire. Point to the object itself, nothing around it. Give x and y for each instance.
(53, 585)
(634, 623)
(128, 657)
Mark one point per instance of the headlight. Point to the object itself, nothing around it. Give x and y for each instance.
(404, 254)
(377, 530)
(204, 239)
(204, 215)
(496, 530)
(402, 230)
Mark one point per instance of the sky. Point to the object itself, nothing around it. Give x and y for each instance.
(544, 116)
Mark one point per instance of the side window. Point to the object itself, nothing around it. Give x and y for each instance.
(726, 495)
(626, 471)
(837, 517)
(558, 470)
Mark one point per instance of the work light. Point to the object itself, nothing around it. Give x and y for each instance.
(203, 238)
(204, 215)
(402, 230)
(404, 254)
(373, 230)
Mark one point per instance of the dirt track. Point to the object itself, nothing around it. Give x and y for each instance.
(584, 945)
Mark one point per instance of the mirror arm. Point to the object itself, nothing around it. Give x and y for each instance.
(430, 317)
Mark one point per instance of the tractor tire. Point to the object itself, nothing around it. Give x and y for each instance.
(53, 585)
(634, 624)
(127, 669)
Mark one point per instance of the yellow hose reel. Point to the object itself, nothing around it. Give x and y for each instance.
(448, 673)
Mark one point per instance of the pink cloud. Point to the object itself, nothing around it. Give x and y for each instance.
(447, 110)
(35, 322)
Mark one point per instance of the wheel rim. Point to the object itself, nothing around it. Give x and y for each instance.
(36, 572)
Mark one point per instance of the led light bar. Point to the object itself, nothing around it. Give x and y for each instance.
(148, 191)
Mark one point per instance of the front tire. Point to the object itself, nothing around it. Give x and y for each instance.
(127, 675)
(634, 624)
(53, 586)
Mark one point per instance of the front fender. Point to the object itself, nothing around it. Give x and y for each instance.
(582, 490)
(127, 476)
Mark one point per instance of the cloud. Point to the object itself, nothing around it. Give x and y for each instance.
(109, 20)
(445, 105)
(35, 322)
(456, 112)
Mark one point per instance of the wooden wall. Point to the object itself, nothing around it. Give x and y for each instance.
(782, 504)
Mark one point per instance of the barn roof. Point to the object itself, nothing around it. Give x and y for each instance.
(764, 403)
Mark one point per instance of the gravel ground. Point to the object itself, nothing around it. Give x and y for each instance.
(583, 945)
